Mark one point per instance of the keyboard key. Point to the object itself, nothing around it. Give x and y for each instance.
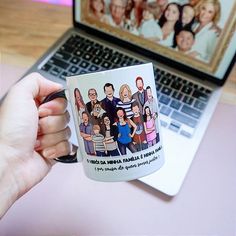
(80, 45)
(183, 119)
(73, 69)
(97, 52)
(188, 100)
(46, 67)
(163, 123)
(97, 45)
(88, 48)
(89, 42)
(55, 71)
(84, 64)
(75, 60)
(106, 49)
(106, 64)
(59, 63)
(158, 86)
(165, 80)
(116, 60)
(71, 41)
(185, 133)
(186, 89)
(97, 60)
(93, 68)
(124, 63)
(200, 95)
(166, 91)
(174, 126)
(191, 111)
(63, 55)
(164, 99)
(165, 110)
(177, 95)
(106, 55)
(79, 52)
(176, 85)
(67, 48)
(83, 72)
(87, 56)
(175, 104)
(199, 105)
(64, 74)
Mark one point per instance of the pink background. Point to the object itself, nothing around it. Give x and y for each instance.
(68, 203)
(60, 2)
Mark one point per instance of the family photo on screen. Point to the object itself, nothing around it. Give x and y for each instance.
(190, 27)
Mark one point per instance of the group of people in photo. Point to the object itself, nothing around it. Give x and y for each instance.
(188, 26)
(114, 124)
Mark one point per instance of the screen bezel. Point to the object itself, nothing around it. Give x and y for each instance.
(153, 56)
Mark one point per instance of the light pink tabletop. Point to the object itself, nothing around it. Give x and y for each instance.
(67, 203)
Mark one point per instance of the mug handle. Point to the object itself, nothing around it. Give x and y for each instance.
(70, 158)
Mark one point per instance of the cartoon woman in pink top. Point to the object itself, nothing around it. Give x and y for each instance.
(149, 127)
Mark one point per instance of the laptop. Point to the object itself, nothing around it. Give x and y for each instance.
(191, 60)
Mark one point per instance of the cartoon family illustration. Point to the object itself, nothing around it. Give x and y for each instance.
(114, 125)
(187, 26)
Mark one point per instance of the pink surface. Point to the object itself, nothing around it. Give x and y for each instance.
(67, 203)
(59, 2)
(8, 76)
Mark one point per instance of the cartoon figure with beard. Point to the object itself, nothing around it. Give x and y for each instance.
(141, 95)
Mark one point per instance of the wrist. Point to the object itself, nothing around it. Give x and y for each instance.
(8, 186)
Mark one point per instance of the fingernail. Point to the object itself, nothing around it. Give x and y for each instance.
(49, 153)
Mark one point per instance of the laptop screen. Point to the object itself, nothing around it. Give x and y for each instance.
(196, 33)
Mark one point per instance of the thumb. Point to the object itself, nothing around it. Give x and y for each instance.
(35, 85)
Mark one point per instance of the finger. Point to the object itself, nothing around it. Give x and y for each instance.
(61, 149)
(55, 107)
(49, 140)
(53, 124)
(35, 85)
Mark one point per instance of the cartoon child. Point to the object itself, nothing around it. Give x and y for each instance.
(126, 100)
(149, 127)
(98, 141)
(139, 138)
(149, 28)
(110, 132)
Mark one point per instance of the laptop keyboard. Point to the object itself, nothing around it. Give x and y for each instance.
(181, 102)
